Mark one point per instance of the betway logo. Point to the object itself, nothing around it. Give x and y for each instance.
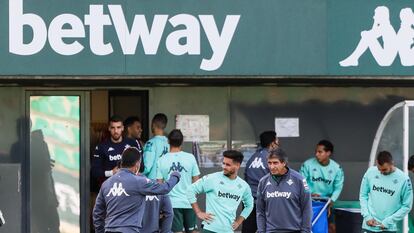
(278, 194)
(257, 163)
(229, 195)
(383, 190)
(69, 27)
(321, 179)
(117, 190)
(115, 157)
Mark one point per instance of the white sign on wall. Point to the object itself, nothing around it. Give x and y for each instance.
(287, 127)
(194, 127)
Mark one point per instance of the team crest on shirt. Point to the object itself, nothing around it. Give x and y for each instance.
(239, 186)
(221, 182)
(395, 181)
(376, 177)
(330, 171)
(314, 169)
(289, 182)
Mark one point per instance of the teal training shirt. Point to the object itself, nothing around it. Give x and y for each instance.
(223, 196)
(186, 165)
(153, 150)
(385, 198)
(327, 181)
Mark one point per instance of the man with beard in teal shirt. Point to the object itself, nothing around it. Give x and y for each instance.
(224, 192)
(386, 196)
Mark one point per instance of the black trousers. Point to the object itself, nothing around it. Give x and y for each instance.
(250, 224)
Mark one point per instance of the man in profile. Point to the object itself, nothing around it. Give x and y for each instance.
(120, 203)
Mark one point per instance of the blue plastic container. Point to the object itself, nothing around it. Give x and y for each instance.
(321, 226)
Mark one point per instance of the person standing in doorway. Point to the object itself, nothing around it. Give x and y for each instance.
(386, 195)
(133, 130)
(256, 168)
(324, 176)
(156, 146)
(224, 192)
(107, 154)
(185, 220)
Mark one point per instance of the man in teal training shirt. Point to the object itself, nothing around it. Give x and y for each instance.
(224, 192)
(177, 160)
(386, 196)
(156, 146)
(324, 176)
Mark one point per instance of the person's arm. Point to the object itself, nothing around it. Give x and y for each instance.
(406, 205)
(363, 198)
(260, 210)
(195, 173)
(338, 185)
(160, 178)
(247, 200)
(306, 203)
(201, 186)
(99, 213)
(97, 163)
(167, 213)
(155, 188)
(149, 157)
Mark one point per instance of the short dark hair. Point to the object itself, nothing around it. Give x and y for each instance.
(130, 157)
(235, 155)
(131, 120)
(267, 137)
(175, 138)
(160, 120)
(384, 157)
(115, 118)
(411, 163)
(278, 154)
(328, 146)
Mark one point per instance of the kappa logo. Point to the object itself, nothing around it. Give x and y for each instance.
(177, 167)
(305, 185)
(117, 190)
(268, 183)
(151, 198)
(111, 149)
(394, 43)
(257, 163)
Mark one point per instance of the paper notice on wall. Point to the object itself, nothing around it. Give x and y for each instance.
(287, 127)
(195, 128)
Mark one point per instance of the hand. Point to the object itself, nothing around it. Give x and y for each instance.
(235, 225)
(176, 174)
(372, 223)
(208, 217)
(115, 170)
